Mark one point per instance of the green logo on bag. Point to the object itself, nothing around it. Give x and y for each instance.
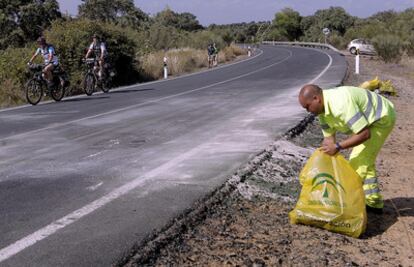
(325, 178)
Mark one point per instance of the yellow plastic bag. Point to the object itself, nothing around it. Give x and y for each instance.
(371, 85)
(387, 87)
(332, 197)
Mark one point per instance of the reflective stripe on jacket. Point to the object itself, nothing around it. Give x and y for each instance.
(350, 109)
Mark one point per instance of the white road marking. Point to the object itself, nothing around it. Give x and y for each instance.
(94, 187)
(325, 70)
(56, 125)
(52, 228)
(94, 155)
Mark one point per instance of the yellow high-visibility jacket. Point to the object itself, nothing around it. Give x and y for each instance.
(350, 109)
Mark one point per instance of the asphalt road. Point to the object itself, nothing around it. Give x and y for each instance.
(82, 180)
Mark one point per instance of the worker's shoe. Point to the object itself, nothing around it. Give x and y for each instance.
(374, 210)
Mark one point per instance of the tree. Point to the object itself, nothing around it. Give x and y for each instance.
(287, 22)
(385, 16)
(227, 37)
(25, 20)
(188, 22)
(182, 21)
(334, 18)
(121, 12)
(162, 37)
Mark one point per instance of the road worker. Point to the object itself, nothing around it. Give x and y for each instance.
(366, 117)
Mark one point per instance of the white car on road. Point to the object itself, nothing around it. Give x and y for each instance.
(364, 46)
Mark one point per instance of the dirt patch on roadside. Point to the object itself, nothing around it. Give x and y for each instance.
(249, 226)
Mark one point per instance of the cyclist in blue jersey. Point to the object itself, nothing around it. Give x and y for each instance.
(51, 61)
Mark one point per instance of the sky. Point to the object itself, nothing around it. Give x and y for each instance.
(234, 11)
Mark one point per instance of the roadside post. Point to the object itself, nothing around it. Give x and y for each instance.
(165, 68)
(357, 62)
(249, 51)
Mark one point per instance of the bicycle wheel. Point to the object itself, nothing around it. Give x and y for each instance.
(34, 91)
(105, 85)
(89, 84)
(58, 92)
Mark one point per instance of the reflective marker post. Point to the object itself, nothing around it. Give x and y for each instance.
(357, 62)
(165, 68)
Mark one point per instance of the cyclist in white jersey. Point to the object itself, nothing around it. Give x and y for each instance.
(98, 48)
(51, 61)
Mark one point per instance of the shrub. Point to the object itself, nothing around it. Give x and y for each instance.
(72, 38)
(409, 45)
(11, 93)
(13, 75)
(365, 31)
(182, 60)
(231, 52)
(337, 41)
(200, 40)
(388, 47)
(179, 61)
(275, 35)
(165, 37)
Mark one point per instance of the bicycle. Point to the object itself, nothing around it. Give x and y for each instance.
(92, 80)
(210, 61)
(35, 87)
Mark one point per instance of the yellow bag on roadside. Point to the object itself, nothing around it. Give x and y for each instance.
(371, 85)
(388, 87)
(382, 86)
(332, 196)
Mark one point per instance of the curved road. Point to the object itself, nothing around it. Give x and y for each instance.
(82, 180)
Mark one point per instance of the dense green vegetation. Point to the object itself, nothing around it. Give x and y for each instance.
(133, 36)
(22, 21)
(391, 32)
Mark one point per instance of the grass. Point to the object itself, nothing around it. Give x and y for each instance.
(11, 94)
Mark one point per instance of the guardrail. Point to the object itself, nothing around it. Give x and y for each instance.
(304, 44)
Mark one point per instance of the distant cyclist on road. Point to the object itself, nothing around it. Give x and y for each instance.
(51, 61)
(210, 52)
(215, 55)
(98, 49)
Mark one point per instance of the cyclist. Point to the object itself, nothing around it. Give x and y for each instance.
(210, 52)
(51, 61)
(98, 49)
(215, 55)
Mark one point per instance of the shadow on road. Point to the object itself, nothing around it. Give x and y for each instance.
(131, 91)
(86, 98)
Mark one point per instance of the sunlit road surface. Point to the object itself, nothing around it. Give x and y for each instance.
(82, 180)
